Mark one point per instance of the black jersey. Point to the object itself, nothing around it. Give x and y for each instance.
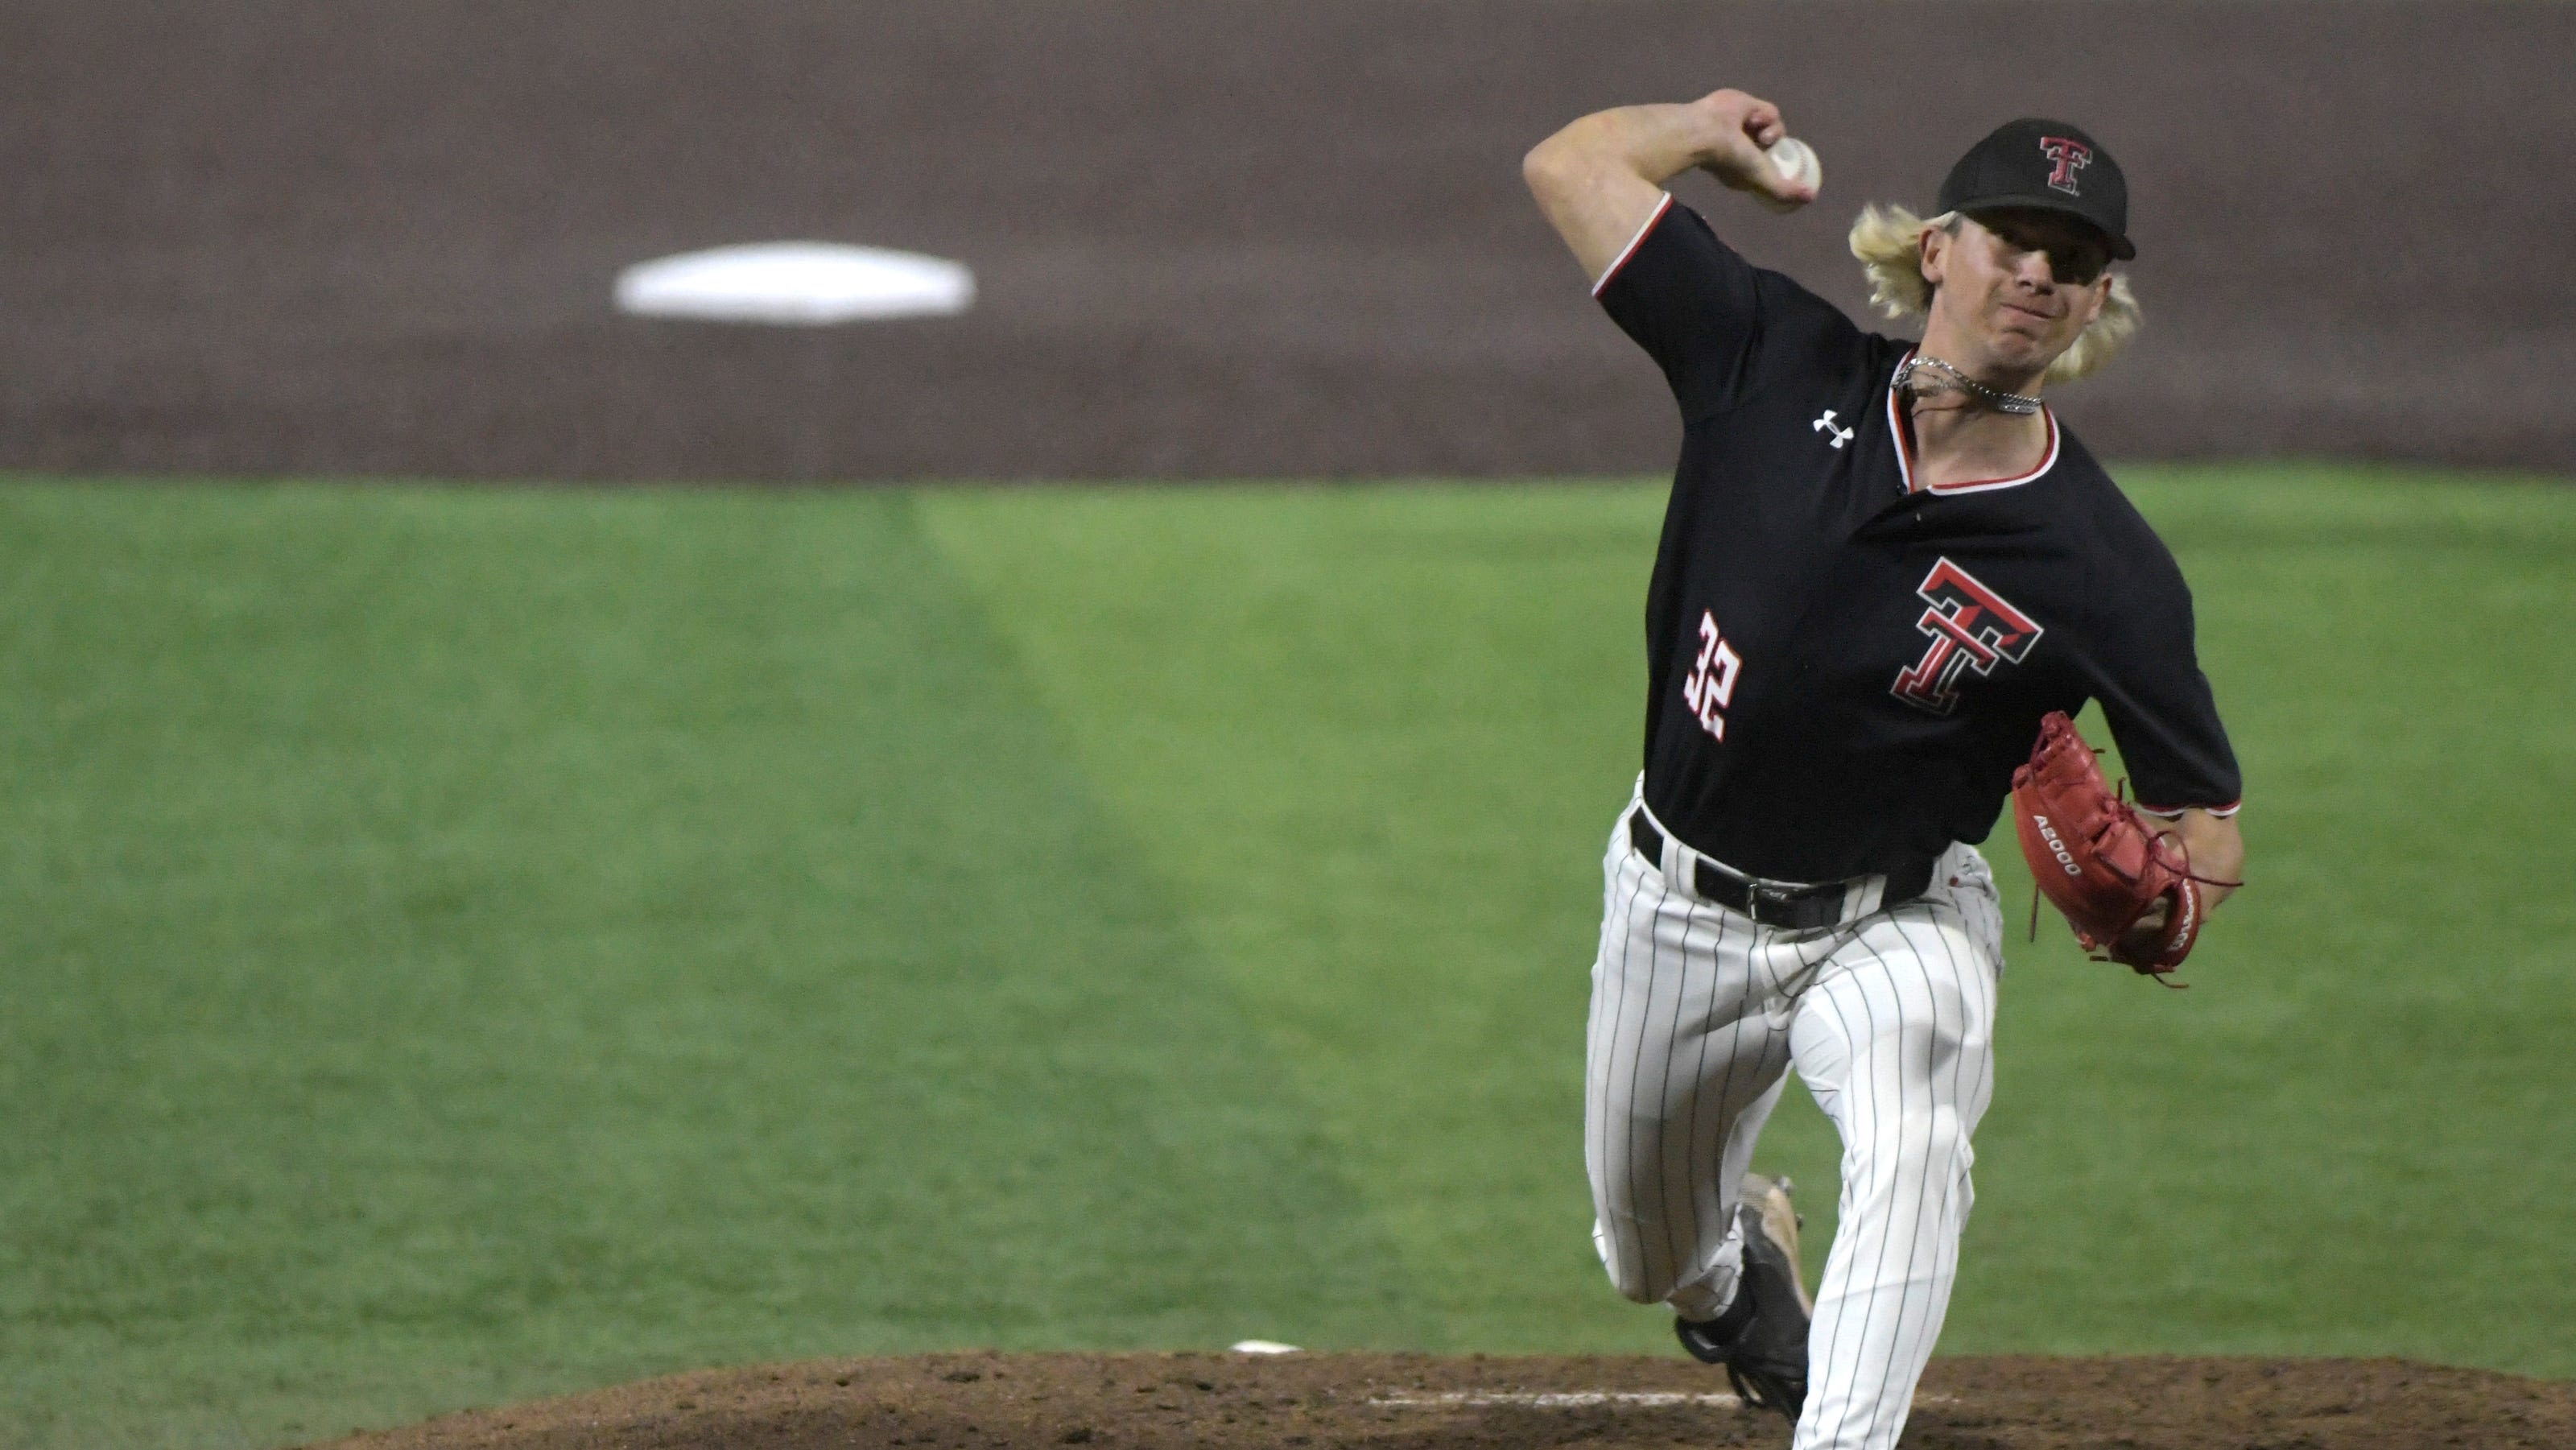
(1843, 669)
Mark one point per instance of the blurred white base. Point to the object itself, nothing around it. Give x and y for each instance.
(795, 284)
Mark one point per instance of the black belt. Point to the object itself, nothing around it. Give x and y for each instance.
(1797, 908)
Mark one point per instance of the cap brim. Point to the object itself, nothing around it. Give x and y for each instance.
(2121, 247)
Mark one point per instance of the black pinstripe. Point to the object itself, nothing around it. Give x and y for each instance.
(1679, 1255)
(1923, 1180)
(1637, 1060)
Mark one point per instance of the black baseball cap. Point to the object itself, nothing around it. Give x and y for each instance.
(2048, 166)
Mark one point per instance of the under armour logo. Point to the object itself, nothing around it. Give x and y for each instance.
(1825, 425)
(2071, 156)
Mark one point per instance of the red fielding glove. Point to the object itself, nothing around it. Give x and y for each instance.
(2097, 859)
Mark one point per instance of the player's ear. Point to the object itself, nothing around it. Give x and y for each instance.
(1932, 246)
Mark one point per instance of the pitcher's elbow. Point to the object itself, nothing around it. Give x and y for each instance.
(1543, 169)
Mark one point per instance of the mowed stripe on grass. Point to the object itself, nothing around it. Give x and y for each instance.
(1380, 734)
(465, 946)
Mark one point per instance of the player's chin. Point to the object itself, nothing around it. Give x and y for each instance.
(2021, 345)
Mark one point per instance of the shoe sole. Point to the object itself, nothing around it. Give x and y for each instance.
(1770, 1196)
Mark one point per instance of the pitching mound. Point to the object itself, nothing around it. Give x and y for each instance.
(1420, 1402)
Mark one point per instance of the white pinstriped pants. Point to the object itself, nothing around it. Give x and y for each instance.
(1698, 1012)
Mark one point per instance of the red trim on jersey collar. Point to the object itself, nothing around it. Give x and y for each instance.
(1630, 250)
(1905, 451)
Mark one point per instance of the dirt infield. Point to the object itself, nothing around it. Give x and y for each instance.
(1417, 1402)
(1214, 237)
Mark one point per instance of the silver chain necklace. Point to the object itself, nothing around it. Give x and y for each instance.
(1995, 398)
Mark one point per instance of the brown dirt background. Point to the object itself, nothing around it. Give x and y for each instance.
(1166, 1402)
(1214, 237)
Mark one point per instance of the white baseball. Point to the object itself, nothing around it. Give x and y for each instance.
(1797, 161)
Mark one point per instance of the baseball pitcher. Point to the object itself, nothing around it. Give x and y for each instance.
(1884, 565)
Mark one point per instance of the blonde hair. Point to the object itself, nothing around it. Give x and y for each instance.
(1889, 242)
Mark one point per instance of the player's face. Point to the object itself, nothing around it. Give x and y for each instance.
(2021, 284)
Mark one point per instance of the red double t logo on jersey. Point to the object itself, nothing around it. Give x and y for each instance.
(1972, 628)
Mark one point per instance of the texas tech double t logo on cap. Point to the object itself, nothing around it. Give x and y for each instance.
(1971, 628)
(2070, 156)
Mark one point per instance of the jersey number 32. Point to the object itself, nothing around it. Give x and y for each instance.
(1712, 678)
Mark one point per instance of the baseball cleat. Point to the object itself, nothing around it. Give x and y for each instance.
(1781, 1220)
(1761, 1339)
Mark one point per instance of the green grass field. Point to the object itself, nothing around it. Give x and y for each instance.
(467, 945)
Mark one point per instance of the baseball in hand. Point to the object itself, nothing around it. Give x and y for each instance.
(1797, 161)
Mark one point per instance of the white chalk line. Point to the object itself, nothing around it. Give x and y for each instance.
(1577, 1399)
(1551, 1399)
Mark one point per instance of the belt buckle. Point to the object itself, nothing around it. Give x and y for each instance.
(1799, 908)
(1769, 904)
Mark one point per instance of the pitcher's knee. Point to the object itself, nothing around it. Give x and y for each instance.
(1625, 1261)
(1931, 1144)
(1637, 1289)
(1942, 1141)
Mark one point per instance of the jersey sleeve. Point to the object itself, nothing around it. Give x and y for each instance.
(1688, 300)
(2147, 676)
